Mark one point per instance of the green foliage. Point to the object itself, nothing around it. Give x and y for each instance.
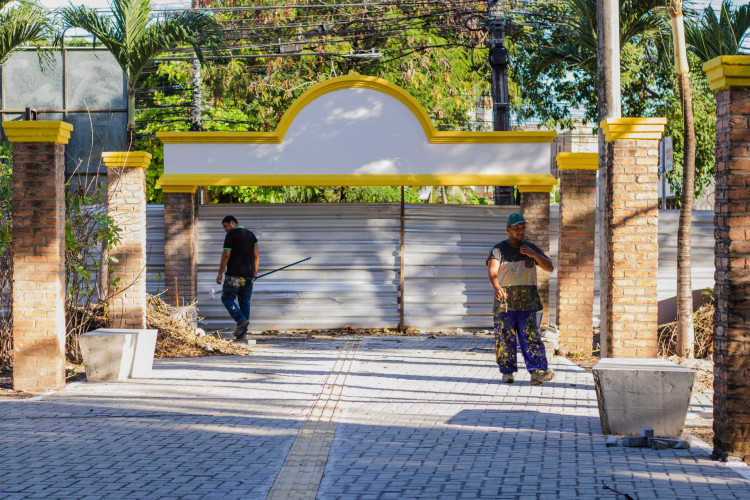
(6, 256)
(6, 186)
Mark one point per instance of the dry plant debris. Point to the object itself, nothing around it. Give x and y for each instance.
(703, 323)
(176, 338)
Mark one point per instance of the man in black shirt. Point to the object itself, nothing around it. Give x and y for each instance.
(240, 258)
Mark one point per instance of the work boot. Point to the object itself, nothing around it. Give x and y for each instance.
(241, 330)
(539, 376)
(508, 378)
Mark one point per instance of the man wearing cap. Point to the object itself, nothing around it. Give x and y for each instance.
(511, 270)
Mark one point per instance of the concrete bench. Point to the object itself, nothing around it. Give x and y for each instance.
(117, 353)
(634, 393)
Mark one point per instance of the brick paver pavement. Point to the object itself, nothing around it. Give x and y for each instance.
(354, 417)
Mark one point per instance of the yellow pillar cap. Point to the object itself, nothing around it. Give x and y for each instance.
(616, 129)
(577, 161)
(535, 189)
(132, 159)
(33, 131)
(725, 72)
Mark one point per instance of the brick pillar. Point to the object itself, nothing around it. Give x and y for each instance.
(126, 178)
(575, 255)
(730, 77)
(630, 228)
(180, 246)
(38, 254)
(535, 209)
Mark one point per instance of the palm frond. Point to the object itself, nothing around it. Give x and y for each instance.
(99, 26)
(20, 25)
(713, 36)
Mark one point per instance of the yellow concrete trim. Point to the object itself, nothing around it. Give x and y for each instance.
(577, 161)
(171, 182)
(633, 128)
(131, 159)
(725, 72)
(178, 189)
(32, 131)
(536, 189)
(358, 81)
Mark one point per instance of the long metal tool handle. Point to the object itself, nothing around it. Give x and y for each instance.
(279, 269)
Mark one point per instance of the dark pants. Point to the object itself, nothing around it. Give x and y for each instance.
(232, 290)
(521, 324)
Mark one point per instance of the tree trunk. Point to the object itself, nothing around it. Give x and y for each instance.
(685, 332)
(608, 106)
(131, 120)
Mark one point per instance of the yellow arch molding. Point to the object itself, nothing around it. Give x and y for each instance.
(178, 183)
(357, 81)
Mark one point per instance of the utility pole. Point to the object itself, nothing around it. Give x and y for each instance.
(196, 107)
(500, 96)
(608, 94)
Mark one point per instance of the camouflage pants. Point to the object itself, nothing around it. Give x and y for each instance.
(522, 325)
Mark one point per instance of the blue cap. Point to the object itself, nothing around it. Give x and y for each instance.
(514, 219)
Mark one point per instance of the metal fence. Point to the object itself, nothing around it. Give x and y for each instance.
(353, 276)
(81, 86)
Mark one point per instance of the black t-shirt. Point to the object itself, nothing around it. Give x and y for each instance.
(242, 243)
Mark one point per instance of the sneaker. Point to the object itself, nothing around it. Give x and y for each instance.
(241, 330)
(539, 376)
(508, 378)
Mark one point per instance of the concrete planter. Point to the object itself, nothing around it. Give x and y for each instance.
(634, 393)
(117, 354)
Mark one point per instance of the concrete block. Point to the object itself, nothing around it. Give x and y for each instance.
(117, 354)
(647, 432)
(612, 441)
(634, 442)
(634, 393)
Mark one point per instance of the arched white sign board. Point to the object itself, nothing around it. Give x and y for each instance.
(356, 131)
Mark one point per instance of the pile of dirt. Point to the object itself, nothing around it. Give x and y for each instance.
(177, 339)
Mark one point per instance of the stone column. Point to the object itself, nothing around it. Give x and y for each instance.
(631, 232)
(38, 253)
(180, 246)
(126, 178)
(535, 209)
(729, 76)
(575, 255)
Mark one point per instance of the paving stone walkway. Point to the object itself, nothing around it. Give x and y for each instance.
(352, 417)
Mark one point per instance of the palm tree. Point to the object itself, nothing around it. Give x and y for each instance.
(685, 333)
(578, 46)
(713, 36)
(135, 37)
(19, 25)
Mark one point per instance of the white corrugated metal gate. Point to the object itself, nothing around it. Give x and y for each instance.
(353, 276)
